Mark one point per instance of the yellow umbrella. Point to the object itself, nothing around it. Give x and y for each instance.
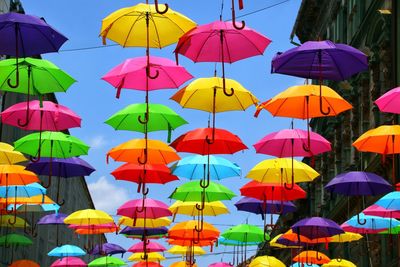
(144, 151)
(39, 199)
(346, 237)
(128, 26)
(339, 263)
(9, 156)
(214, 208)
(281, 170)
(183, 250)
(273, 243)
(266, 261)
(182, 264)
(19, 223)
(152, 256)
(88, 217)
(140, 222)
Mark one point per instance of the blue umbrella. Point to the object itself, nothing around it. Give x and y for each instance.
(229, 242)
(195, 167)
(390, 201)
(35, 207)
(28, 190)
(66, 251)
(372, 222)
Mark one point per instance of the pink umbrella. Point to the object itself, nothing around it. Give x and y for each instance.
(292, 142)
(49, 117)
(348, 228)
(376, 210)
(111, 226)
(147, 264)
(220, 264)
(131, 74)
(389, 102)
(144, 208)
(149, 246)
(69, 262)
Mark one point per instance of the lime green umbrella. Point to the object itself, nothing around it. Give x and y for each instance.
(107, 261)
(14, 239)
(132, 117)
(192, 191)
(392, 231)
(245, 233)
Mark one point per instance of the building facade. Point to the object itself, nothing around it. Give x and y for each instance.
(373, 27)
(74, 190)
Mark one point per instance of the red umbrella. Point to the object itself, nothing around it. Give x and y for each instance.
(147, 264)
(144, 208)
(269, 191)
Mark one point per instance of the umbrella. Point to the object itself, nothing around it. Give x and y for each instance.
(144, 151)
(192, 191)
(15, 239)
(214, 208)
(27, 35)
(276, 242)
(69, 262)
(149, 232)
(227, 242)
(376, 210)
(152, 256)
(346, 237)
(311, 257)
(16, 175)
(144, 208)
(390, 201)
(372, 222)
(183, 250)
(66, 251)
(24, 263)
(220, 264)
(9, 156)
(339, 263)
(106, 262)
(132, 74)
(270, 191)
(245, 233)
(107, 249)
(316, 227)
(6, 219)
(183, 264)
(88, 217)
(266, 261)
(388, 101)
(148, 247)
(187, 231)
(53, 219)
(28, 190)
(299, 264)
(147, 264)
(141, 222)
(300, 240)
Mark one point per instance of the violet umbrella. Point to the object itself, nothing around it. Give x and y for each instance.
(358, 183)
(320, 60)
(69, 262)
(27, 35)
(53, 219)
(316, 227)
(107, 249)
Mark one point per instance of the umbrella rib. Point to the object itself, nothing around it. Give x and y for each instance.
(337, 66)
(133, 25)
(204, 43)
(44, 35)
(261, 53)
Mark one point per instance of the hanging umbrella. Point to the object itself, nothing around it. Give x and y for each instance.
(300, 240)
(220, 264)
(245, 233)
(256, 206)
(107, 249)
(192, 191)
(141, 222)
(147, 264)
(390, 201)
(53, 219)
(214, 208)
(150, 247)
(278, 244)
(299, 264)
(339, 263)
(376, 210)
(186, 231)
(189, 242)
(106, 261)
(183, 264)
(316, 227)
(346, 237)
(104, 226)
(88, 217)
(311, 257)
(28, 190)
(9, 156)
(24, 263)
(69, 262)
(372, 222)
(149, 231)
(16, 175)
(15, 240)
(144, 151)
(388, 101)
(152, 256)
(144, 208)
(227, 242)
(266, 261)
(183, 250)
(66, 251)
(270, 191)
(6, 219)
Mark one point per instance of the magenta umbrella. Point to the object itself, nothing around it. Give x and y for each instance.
(50, 117)
(148, 246)
(69, 262)
(376, 210)
(131, 74)
(144, 208)
(220, 264)
(292, 143)
(389, 102)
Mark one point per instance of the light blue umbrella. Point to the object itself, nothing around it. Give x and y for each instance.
(195, 167)
(372, 222)
(35, 207)
(228, 242)
(390, 201)
(66, 251)
(299, 264)
(28, 190)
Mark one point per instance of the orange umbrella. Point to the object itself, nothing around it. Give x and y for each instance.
(16, 175)
(24, 263)
(289, 235)
(311, 257)
(186, 231)
(188, 243)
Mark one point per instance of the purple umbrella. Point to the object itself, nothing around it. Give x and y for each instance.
(358, 183)
(53, 219)
(140, 231)
(107, 249)
(25, 35)
(320, 60)
(316, 227)
(66, 168)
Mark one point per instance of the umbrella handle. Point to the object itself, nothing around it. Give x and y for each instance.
(321, 108)
(143, 161)
(210, 141)
(204, 183)
(230, 93)
(158, 8)
(359, 221)
(48, 182)
(318, 256)
(241, 27)
(200, 207)
(148, 73)
(144, 120)
(62, 202)
(16, 79)
(24, 124)
(289, 187)
(265, 234)
(14, 220)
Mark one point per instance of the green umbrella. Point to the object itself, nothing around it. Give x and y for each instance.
(107, 261)
(392, 231)
(160, 118)
(192, 191)
(245, 233)
(14, 239)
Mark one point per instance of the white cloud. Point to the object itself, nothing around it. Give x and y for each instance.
(97, 141)
(107, 196)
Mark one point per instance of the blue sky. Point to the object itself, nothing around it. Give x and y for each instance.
(93, 99)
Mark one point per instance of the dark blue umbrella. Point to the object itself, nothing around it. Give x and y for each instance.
(107, 249)
(140, 231)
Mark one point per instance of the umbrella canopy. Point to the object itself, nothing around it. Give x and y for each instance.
(266, 261)
(144, 208)
(299, 264)
(245, 233)
(339, 263)
(190, 242)
(15, 240)
(358, 183)
(141, 222)
(28, 190)
(257, 206)
(152, 256)
(282, 170)
(291, 142)
(214, 208)
(299, 239)
(34, 36)
(384, 139)
(147, 264)
(68, 167)
(51, 144)
(107, 262)
(220, 264)
(220, 41)
(107, 249)
(185, 231)
(182, 264)
(182, 250)
(16, 175)
(228, 242)
(35, 207)
(135, 150)
(316, 227)
(69, 262)
(150, 247)
(6, 219)
(321, 60)
(192, 191)
(144, 173)
(39, 199)
(66, 251)
(193, 167)
(372, 222)
(302, 102)
(311, 256)
(127, 26)
(207, 94)
(149, 231)
(55, 218)
(376, 210)
(270, 191)
(9, 156)
(276, 242)
(24, 263)
(46, 116)
(346, 237)
(88, 217)
(195, 141)
(390, 201)
(388, 101)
